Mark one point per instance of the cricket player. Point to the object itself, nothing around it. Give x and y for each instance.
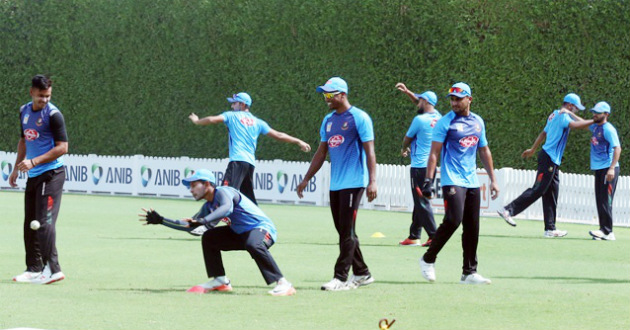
(39, 152)
(555, 135)
(457, 138)
(248, 228)
(347, 135)
(244, 129)
(417, 144)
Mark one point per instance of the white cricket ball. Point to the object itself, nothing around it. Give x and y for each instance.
(35, 225)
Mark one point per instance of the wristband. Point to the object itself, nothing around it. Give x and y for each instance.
(32, 163)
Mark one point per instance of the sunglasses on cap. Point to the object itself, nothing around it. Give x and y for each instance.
(330, 95)
(457, 90)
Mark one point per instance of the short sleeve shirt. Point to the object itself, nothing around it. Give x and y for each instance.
(603, 143)
(345, 134)
(420, 132)
(557, 129)
(244, 129)
(38, 136)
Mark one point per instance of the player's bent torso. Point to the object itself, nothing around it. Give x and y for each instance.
(38, 136)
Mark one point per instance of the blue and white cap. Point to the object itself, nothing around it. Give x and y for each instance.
(334, 84)
(241, 97)
(460, 90)
(601, 107)
(200, 175)
(575, 100)
(429, 96)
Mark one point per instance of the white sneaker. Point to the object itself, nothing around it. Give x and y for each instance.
(283, 288)
(337, 285)
(599, 235)
(46, 277)
(198, 231)
(556, 233)
(474, 279)
(26, 277)
(505, 214)
(361, 280)
(220, 283)
(428, 270)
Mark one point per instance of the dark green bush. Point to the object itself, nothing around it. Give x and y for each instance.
(127, 73)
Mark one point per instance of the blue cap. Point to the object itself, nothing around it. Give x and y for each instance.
(241, 97)
(601, 107)
(200, 175)
(429, 96)
(575, 100)
(460, 90)
(334, 84)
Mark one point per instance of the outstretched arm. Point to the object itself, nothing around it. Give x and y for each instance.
(401, 87)
(284, 137)
(530, 152)
(205, 120)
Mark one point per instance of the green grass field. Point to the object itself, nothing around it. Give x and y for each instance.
(121, 275)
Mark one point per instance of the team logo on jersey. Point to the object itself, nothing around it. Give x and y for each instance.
(468, 141)
(31, 134)
(344, 126)
(452, 191)
(594, 141)
(25, 120)
(335, 141)
(433, 122)
(477, 128)
(39, 121)
(459, 127)
(247, 121)
(227, 221)
(328, 127)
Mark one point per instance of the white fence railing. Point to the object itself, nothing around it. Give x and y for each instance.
(276, 181)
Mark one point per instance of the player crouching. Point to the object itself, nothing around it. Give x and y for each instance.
(248, 229)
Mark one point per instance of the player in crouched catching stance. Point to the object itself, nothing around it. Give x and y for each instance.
(248, 229)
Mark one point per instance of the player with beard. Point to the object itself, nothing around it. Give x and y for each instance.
(458, 137)
(417, 145)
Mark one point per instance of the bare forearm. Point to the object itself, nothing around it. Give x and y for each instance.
(616, 156)
(488, 163)
(316, 164)
(539, 140)
(21, 151)
(59, 150)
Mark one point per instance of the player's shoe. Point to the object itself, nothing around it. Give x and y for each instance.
(198, 231)
(361, 280)
(409, 242)
(427, 243)
(505, 214)
(217, 284)
(337, 285)
(26, 277)
(428, 270)
(46, 277)
(555, 233)
(283, 288)
(599, 235)
(474, 279)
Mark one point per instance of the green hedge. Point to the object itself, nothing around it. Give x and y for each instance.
(127, 73)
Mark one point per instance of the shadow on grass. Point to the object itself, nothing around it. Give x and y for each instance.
(538, 237)
(569, 279)
(150, 238)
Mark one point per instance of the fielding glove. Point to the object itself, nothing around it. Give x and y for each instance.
(427, 188)
(154, 218)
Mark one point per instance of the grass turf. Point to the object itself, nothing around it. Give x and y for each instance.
(121, 275)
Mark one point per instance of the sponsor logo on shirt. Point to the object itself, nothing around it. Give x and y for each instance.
(468, 141)
(247, 121)
(594, 141)
(335, 141)
(551, 116)
(433, 122)
(31, 134)
(344, 126)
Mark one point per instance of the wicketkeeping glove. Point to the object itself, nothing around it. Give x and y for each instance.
(427, 188)
(154, 218)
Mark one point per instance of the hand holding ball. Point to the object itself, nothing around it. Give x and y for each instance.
(35, 225)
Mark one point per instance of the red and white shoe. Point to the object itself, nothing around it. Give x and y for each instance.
(427, 243)
(221, 284)
(284, 288)
(26, 277)
(46, 277)
(410, 242)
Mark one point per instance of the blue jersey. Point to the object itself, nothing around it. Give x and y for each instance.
(345, 134)
(461, 136)
(603, 142)
(244, 129)
(420, 132)
(557, 129)
(244, 216)
(39, 136)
